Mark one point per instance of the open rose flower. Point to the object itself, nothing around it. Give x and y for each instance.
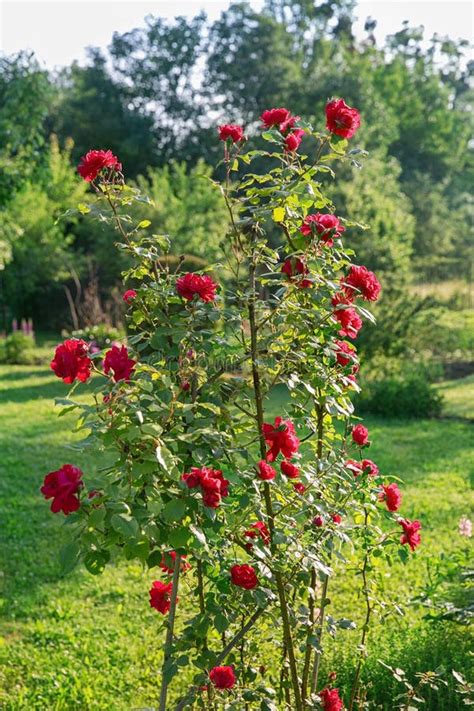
(160, 596)
(369, 467)
(118, 363)
(275, 117)
(129, 296)
(62, 486)
(360, 435)
(362, 282)
(350, 321)
(167, 563)
(327, 226)
(410, 533)
(341, 119)
(265, 471)
(190, 285)
(258, 530)
(232, 131)
(354, 467)
(345, 353)
(244, 576)
(289, 469)
(331, 700)
(212, 483)
(293, 140)
(392, 496)
(295, 269)
(71, 361)
(94, 162)
(222, 677)
(281, 437)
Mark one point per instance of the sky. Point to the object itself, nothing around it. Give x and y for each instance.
(58, 31)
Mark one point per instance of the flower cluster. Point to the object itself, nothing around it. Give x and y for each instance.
(63, 486)
(286, 125)
(326, 227)
(71, 362)
(212, 483)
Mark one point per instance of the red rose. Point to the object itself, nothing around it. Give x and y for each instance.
(94, 161)
(265, 471)
(213, 485)
(369, 467)
(117, 361)
(71, 361)
(244, 576)
(331, 700)
(192, 478)
(281, 437)
(129, 296)
(230, 130)
(190, 285)
(392, 496)
(293, 140)
(336, 518)
(274, 117)
(326, 225)
(222, 677)
(360, 435)
(293, 267)
(345, 353)
(160, 596)
(350, 321)
(318, 521)
(341, 119)
(62, 486)
(287, 125)
(258, 529)
(410, 533)
(354, 467)
(290, 470)
(170, 557)
(361, 282)
(299, 487)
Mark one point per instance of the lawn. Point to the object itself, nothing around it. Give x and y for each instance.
(83, 642)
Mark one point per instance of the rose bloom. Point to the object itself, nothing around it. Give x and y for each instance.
(293, 140)
(354, 466)
(410, 533)
(71, 361)
(222, 677)
(318, 521)
(326, 225)
(392, 496)
(94, 161)
(465, 527)
(274, 117)
(117, 361)
(287, 125)
(129, 296)
(265, 471)
(331, 700)
(281, 437)
(160, 596)
(369, 467)
(345, 353)
(213, 485)
(361, 282)
(170, 557)
(258, 529)
(232, 131)
(336, 518)
(190, 285)
(295, 269)
(244, 576)
(299, 487)
(360, 435)
(290, 470)
(62, 486)
(350, 321)
(341, 119)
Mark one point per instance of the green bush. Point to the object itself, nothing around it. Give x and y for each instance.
(398, 388)
(17, 349)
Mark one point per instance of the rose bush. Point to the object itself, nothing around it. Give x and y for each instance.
(247, 513)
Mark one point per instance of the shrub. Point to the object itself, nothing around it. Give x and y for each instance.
(17, 349)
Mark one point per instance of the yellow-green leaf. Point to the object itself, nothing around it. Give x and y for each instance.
(279, 214)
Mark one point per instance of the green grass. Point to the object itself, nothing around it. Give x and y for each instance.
(93, 643)
(458, 397)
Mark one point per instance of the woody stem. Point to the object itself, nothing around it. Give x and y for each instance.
(168, 650)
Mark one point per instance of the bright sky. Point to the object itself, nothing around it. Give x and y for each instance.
(59, 30)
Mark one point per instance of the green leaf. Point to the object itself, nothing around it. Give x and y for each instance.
(165, 458)
(221, 622)
(95, 561)
(143, 224)
(174, 510)
(69, 557)
(179, 537)
(278, 214)
(124, 524)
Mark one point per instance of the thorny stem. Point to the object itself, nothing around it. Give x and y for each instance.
(169, 633)
(365, 628)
